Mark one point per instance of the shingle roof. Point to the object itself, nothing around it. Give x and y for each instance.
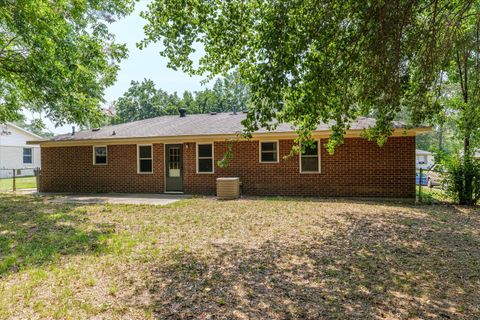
(422, 152)
(191, 125)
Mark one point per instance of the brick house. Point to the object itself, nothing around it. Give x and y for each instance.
(180, 154)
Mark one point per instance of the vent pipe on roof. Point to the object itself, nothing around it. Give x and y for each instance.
(183, 112)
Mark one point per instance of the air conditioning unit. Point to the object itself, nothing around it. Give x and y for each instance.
(228, 188)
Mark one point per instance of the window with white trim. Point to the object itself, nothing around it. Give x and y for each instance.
(268, 151)
(145, 159)
(205, 158)
(310, 159)
(27, 156)
(99, 155)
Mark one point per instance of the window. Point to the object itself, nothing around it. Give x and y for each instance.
(100, 155)
(27, 156)
(268, 151)
(174, 162)
(205, 158)
(145, 159)
(310, 159)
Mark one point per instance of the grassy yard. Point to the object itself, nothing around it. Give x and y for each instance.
(20, 183)
(433, 195)
(248, 259)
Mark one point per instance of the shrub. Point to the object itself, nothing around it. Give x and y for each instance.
(462, 179)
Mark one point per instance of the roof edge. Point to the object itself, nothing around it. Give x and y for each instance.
(280, 135)
(24, 130)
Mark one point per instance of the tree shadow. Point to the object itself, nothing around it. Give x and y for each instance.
(34, 232)
(423, 265)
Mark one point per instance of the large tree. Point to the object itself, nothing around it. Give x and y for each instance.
(231, 93)
(307, 61)
(464, 73)
(143, 100)
(462, 96)
(57, 57)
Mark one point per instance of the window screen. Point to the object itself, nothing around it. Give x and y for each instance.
(205, 158)
(100, 155)
(27, 155)
(309, 161)
(268, 152)
(145, 160)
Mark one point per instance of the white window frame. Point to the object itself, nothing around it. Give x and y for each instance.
(23, 156)
(319, 153)
(94, 156)
(260, 150)
(138, 158)
(198, 158)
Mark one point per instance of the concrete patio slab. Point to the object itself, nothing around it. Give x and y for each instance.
(116, 198)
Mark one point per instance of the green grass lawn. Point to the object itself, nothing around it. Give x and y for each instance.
(20, 183)
(268, 258)
(433, 195)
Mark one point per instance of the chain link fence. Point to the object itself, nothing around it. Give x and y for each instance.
(12, 180)
(431, 186)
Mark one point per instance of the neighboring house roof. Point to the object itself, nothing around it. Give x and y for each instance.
(33, 135)
(193, 125)
(419, 152)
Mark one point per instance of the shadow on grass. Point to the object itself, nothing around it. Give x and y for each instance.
(33, 233)
(397, 266)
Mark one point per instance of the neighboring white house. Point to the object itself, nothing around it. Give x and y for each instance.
(424, 159)
(15, 153)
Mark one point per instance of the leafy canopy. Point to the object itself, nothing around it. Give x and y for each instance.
(143, 100)
(57, 57)
(307, 61)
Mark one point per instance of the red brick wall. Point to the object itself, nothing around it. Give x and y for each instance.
(71, 169)
(358, 168)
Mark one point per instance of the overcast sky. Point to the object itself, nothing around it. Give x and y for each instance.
(146, 63)
(141, 64)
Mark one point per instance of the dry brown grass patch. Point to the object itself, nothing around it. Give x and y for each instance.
(269, 258)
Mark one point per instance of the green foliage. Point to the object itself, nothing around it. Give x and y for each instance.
(444, 136)
(227, 155)
(462, 179)
(457, 125)
(57, 57)
(432, 195)
(461, 96)
(143, 100)
(309, 61)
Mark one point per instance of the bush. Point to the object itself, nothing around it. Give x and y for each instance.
(462, 179)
